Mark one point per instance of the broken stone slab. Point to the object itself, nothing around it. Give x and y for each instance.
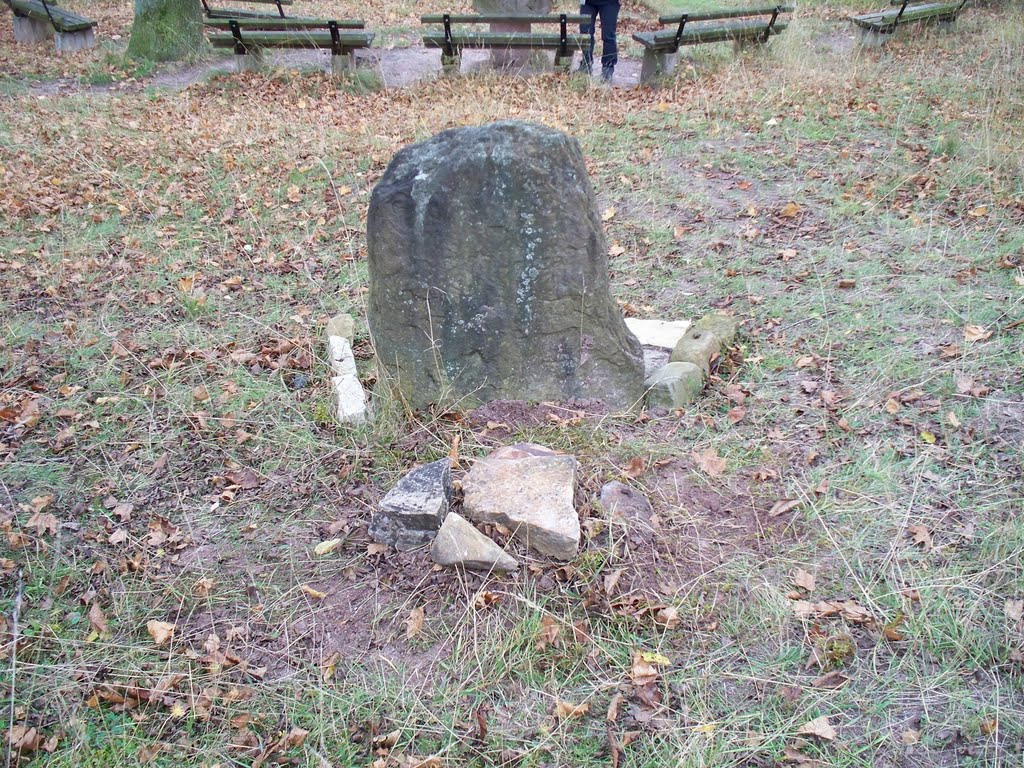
(674, 385)
(341, 325)
(654, 358)
(533, 496)
(705, 340)
(350, 400)
(343, 361)
(460, 545)
(721, 325)
(412, 512)
(488, 273)
(658, 333)
(626, 505)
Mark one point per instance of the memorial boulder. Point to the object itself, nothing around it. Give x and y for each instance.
(489, 274)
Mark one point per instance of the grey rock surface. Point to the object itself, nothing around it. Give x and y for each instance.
(489, 273)
(460, 545)
(533, 496)
(630, 507)
(412, 512)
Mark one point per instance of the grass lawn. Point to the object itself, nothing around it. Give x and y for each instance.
(838, 573)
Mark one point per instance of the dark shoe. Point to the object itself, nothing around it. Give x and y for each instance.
(606, 74)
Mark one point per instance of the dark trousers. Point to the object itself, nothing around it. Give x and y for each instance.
(608, 10)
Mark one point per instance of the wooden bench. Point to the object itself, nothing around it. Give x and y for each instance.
(451, 43)
(743, 26)
(243, 13)
(249, 37)
(37, 20)
(878, 28)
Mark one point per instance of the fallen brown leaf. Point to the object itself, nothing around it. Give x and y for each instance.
(819, 727)
(804, 580)
(160, 631)
(414, 624)
(709, 461)
(565, 710)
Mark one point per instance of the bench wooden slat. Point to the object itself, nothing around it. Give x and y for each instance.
(278, 24)
(239, 13)
(666, 40)
(504, 18)
(727, 13)
(63, 19)
(265, 2)
(882, 19)
(293, 39)
(506, 40)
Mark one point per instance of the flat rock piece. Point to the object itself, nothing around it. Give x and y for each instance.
(664, 334)
(488, 272)
(459, 545)
(521, 451)
(533, 496)
(412, 512)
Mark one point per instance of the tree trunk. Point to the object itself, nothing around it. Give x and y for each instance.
(166, 30)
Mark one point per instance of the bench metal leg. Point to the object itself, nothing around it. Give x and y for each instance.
(29, 30)
(343, 63)
(70, 42)
(748, 44)
(656, 65)
(450, 65)
(250, 61)
(871, 38)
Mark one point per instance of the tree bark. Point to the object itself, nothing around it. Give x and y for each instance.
(166, 30)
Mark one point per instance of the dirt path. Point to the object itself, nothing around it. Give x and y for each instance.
(397, 68)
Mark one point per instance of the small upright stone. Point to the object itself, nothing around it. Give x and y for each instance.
(343, 361)
(350, 400)
(674, 385)
(341, 325)
(412, 512)
(460, 545)
(533, 496)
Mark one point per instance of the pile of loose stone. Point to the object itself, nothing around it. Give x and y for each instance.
(677, 360)
(681, 380)
(525, 490)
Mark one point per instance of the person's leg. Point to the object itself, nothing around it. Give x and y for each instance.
(588, 29)
(609, 43)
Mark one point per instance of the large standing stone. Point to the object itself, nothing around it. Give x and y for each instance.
(411, 513)
(459, 545)
(533, 496)
(489, 273)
